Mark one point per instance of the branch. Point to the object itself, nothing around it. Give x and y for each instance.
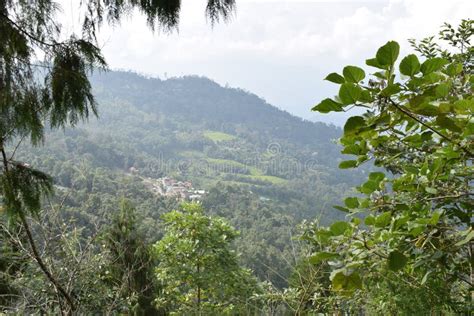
(454, 196)
(27, 34)
(36, 254)
(42, 265)
(414, 117)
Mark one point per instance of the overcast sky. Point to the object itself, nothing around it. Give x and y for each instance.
(280, 50)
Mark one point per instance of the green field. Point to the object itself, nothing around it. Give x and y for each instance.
(255, 173)
(218, 136)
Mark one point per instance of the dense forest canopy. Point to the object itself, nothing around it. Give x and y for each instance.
(182, 197)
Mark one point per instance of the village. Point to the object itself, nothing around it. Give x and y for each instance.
(169, 187)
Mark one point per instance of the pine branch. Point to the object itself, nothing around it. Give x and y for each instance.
(34, 249)
(27, 34)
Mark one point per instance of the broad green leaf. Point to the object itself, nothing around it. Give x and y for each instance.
(410, 65)
(369, 187)
(366, 97)
(445, 122)
(328, 105)
(349, 93)
(432, 65)
(353, 74)
(427, 109)
(464, 106)
(383, 219)
(346, 164)
(344, 281)
(353, 125)
(442, 90)
(369, 220)
(454, 69)
(339, 228)
(396, 260)
(351, 202)
(335, 77)
(373, 62)
(391, 90)
(322, 256)
(388, 54)
(353, 149)
(377, 176)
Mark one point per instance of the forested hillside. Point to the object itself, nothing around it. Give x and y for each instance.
(260, 167)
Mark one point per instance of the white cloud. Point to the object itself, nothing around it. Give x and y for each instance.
(280, 50)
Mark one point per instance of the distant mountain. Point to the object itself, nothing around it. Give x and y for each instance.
(200, 100)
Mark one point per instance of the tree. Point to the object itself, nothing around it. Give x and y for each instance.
(131, 263)
(199, 272)
(55, 91)
(414, 252)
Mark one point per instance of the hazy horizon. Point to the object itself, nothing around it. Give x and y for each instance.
(278, 50)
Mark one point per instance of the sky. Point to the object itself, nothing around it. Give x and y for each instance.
(281, 50)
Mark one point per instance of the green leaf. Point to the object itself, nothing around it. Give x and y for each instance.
(339, 228)
(344, 281)
(349, 93)
(410, 65)
(369, 220)
(442, 90)
(388, 54)
(322, 256)
(327, 105)
(377, 176)
(353, 74)
(468, 238)
(340, 208)
(432, 65)
(369, 187)
(335, 77)
(445, 122)
(391, 90)
(425, 277)
(454, 69)
(348, 164)
(435, 218)
(351, 202)
(427, 109)
(374, 63)
(396, 260)
(353, 125)
(353, 149)
(383, 219)
(366, 97)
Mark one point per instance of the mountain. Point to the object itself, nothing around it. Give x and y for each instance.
(157, 141)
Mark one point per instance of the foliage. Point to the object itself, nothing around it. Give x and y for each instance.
(412, 252)
(131, 263)
(57, 91)
(199, 272)
(90, 164)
